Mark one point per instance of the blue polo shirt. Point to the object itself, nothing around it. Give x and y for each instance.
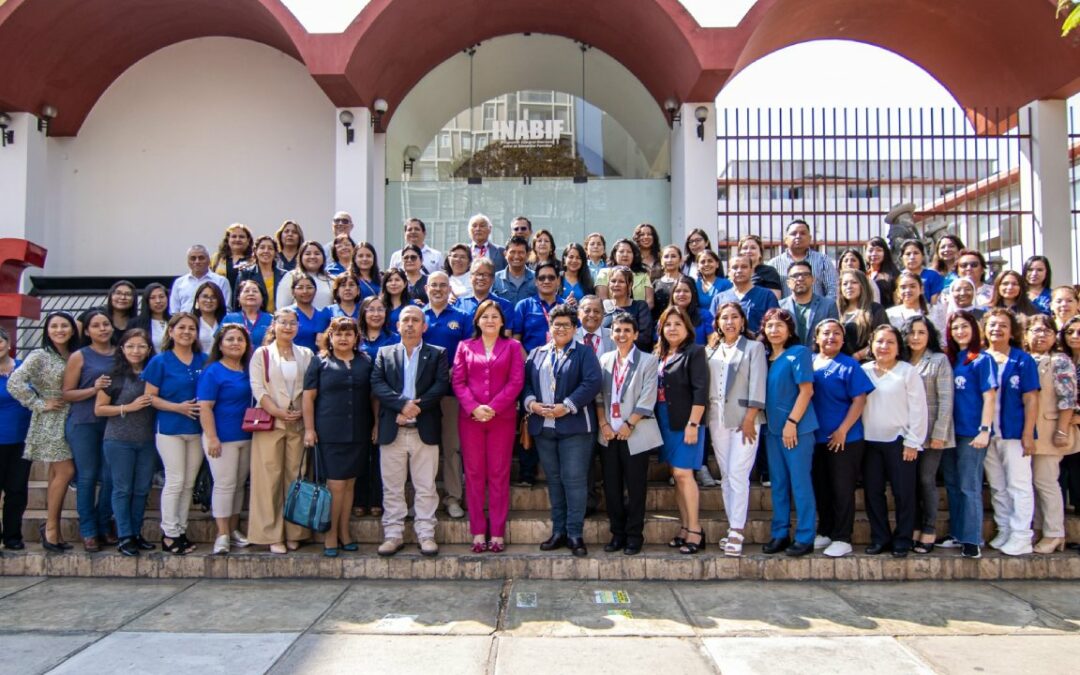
(311, 326)
(575, 290)
(230, 390)
(755, 303)
(933, 283)
(14, 418)
(720, 285)
(970, 382)
(469, 306)
(372, 347)
(447, 329)
(1019, 375)
(792, 368)
(176, 383)
(336, 311)
(1042, 302)
(256, 330)
(835, 387)
(514, 290)
(531, 321)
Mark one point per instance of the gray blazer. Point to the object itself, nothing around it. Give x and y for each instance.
(495, 254)
(638, 395)
(745, 384)
(821, 308)
(937, 376)
(606, 343)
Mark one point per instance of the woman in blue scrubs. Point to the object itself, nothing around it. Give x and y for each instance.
(789, 438)
(311, 322)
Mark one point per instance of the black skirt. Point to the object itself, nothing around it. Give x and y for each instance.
(340, 461)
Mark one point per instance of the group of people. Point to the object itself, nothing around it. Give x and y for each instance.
(825, 377)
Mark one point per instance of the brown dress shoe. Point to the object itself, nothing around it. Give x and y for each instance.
(91, 544)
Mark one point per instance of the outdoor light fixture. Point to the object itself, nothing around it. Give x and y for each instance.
(48, 113)
(379, 108)
(701, 113)
(411, 154)
(671, 106)
(7, 136)
(346, 117)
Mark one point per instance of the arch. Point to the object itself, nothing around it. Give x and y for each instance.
(513, 63)
(993, 56)
(66, 53)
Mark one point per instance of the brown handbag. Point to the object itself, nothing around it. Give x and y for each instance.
(523, 434)
(257, 419)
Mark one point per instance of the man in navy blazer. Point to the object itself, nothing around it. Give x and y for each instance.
(481, 245)
(806, 306)
(410, 380)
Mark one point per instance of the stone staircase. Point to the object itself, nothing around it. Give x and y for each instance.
(528, 526)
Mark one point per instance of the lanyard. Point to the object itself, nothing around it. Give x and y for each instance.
(619, 375)
(555, 363)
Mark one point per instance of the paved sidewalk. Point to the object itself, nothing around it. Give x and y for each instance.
(147, 626)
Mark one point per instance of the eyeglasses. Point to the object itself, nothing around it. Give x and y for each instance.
(410, 257)
(799, 275)
(546, 278)
(341, 221)
(969, 264)
(521, 229)
(695, 240)
(481, 275)
(562, 326)
(1040, 330)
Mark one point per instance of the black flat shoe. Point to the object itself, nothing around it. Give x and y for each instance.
(128, 547)
(143, 544)
(776, 545)
(616, 544)
(797, 549)
(15, 545)
(900, 552)
(577, 547)
(556, 541)
(878, 549)
(632, 549)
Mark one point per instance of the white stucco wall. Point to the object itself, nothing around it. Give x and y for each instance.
(193, 137)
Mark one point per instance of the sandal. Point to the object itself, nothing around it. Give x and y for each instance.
(495, 546)
(678, 542)
(376, 511)
(690, 547)
(923, 547)
(479, 546)
(172, 545)
(359, 512)
(733, 544)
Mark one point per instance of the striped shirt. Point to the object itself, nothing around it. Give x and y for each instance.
(825, 278)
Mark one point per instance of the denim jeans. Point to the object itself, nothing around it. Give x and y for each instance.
(132, 467)
(91, 467)
(566, 467)
(963, 469)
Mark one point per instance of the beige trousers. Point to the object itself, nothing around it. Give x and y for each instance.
(230, 470)
(1049, 505)
(451, 451)
(275, 461)
(408, 455)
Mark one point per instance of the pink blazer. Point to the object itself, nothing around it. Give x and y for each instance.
(497, 382)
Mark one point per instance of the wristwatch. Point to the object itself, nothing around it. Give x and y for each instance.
(694, 424)
(984, 428)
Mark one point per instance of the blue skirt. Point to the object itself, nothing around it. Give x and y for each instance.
(675, 451)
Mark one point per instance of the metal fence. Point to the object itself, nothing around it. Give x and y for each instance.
(1074, 178)
(844, 169)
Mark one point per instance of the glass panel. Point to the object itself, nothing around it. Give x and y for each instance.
(569, 210)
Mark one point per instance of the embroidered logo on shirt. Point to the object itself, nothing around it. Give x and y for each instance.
(960, 382)
(1014, 382)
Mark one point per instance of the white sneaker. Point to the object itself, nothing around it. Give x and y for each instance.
(837, 549)
(949, 542)
(453, 508)
(221, 545)
(1000, 540)
(821, 541)
(705, 478)
(239, 540)
(1017, 545)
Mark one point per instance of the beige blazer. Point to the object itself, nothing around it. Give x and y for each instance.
(276, 388)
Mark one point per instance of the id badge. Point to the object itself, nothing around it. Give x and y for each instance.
(615, 409)
(660, 395)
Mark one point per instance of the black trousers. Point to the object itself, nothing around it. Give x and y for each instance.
(1070, 480)
(14, 476)
(885, 462)
(623, 471)
(368, 491)
(835, 475)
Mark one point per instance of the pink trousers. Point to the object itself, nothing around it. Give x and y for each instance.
(486, 451)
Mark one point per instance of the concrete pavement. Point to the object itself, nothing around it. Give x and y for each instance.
(146, 626)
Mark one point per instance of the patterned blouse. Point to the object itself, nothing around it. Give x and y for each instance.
(39, 378)
(1058, 381)
(937, 376)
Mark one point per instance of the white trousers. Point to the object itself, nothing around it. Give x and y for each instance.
(1011, 490)
(735, 456)
(182, 456)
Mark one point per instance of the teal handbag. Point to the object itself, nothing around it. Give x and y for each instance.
(307, 503)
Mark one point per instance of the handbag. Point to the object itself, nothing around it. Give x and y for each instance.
(524, 439)
(307, 503)
(257, 419)
(202, 491)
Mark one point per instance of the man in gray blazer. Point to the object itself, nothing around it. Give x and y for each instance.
(805, 305)
(628, 430)
(481, 245)
(590, 332)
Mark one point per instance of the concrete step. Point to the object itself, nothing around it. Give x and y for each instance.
(526, 562)
(523, 527)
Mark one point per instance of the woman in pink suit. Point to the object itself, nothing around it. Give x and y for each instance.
(489, 372)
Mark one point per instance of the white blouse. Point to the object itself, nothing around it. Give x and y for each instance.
(896, 407)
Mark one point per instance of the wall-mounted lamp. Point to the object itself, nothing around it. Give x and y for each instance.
(671, 107)
(701, 113)
(411, 154)
(346, 118)
(7, 136)
(378, 109)
(48, 113)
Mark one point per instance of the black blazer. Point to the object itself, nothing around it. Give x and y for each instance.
(639, 309)
(432, 383)
(686, 384)
(343, 404)
(251, 272)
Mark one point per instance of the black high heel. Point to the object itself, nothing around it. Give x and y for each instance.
(48, 545)
(678, 542)
(690, 547)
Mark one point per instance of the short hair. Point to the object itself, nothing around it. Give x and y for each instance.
(198, 247)
(624, 318)
(484, 262)
(339, 281)
(798, 221)
(801, 263)
(265, 237)
(368, 302)
(478, 217)
(333, 248)
(438, 273)
(1016, 332)
(977, 254)
(340, 324)
(590, 298)
(483, 307)
(423, 227)
(457, 247)
(1046, 321)
(517, 241)
(412, 308)
(902, 351)
(251, 282)
(563, 310)
(415, 249)
(547, 264)
(524, 219)
(215, 350)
